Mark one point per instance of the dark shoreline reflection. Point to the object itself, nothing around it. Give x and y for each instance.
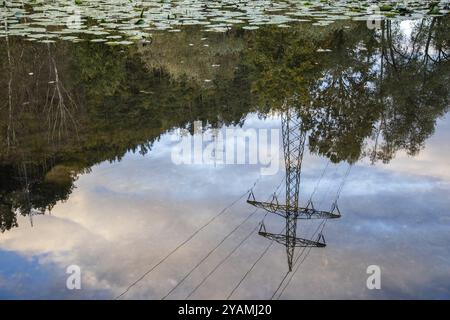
(70, 106)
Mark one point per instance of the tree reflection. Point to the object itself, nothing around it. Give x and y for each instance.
(364, 88)
(360, 92)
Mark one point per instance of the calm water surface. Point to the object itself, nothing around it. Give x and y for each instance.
(89, 129)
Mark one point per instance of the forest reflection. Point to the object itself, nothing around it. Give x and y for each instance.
(68, 106)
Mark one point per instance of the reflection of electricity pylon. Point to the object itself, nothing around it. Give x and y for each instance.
(294, 136)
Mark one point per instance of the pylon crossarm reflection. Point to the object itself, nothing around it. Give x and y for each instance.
(298, 242)
(299, 212)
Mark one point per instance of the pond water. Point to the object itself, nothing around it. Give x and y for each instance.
(133, 132)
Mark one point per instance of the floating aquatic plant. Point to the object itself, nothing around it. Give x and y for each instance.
(71, 19)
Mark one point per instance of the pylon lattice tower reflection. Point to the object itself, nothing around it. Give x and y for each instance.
(294, 136)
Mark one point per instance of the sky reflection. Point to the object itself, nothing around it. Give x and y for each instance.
(124, 216)
(99, 157)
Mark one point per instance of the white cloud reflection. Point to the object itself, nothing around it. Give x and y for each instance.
(124, 216)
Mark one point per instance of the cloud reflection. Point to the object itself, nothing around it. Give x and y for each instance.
(124, 216)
